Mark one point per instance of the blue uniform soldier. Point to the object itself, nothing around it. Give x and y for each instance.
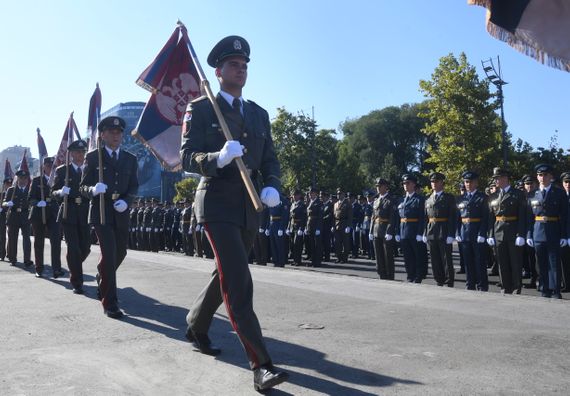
(411, 223)
(547, 229)
(278, 220)
(472, 223)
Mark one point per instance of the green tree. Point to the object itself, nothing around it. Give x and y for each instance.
(385, 143)
(185, 189)
(464, 129)
(300, 147)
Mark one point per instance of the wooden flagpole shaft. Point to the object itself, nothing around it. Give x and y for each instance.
(101, 196)
(42, 193)
(65, 197)
(225, 130)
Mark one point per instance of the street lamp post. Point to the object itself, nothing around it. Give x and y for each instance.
(495, 77)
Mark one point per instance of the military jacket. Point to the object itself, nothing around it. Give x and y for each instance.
(314, 216)
(342, 214)
(37, 189)
(147, 217)
(384, 216)
(473, 216)
(298, 216)
(507, 215)
(176, 218)
(77, 204)
(411, 216)
(156, 221)
(367, 213)
(547, 220)
(279, 216)
(357, 215)
(121, 180)
(133, 218)
(17, 215)
(186, 219)
(140, 218)
(441, 216)
(168, 218)
(328, 215)
(221, 195)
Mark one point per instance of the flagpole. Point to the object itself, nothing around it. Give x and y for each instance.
(66, 182)
(102, 195)
(225, 130)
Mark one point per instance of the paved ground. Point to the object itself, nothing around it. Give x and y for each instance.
(335, 334)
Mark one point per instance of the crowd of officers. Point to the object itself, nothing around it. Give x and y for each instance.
(517, 232)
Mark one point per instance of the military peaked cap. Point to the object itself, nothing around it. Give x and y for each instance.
(436, 176)
(409, 177)
(469, 175)
(381, 182)
(22, 173)
(78, 145)
(543, 168)
(498, 172)
(112, 122)
(226, 47)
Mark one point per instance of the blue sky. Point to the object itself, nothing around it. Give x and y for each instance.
(344, 58)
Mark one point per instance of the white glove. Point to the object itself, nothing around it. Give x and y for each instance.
(480, 239)
(388, 237)
(398, 238)
(288, 232)
(530, 242)
(300, 232)
(458, 239)
(370, 237)
(332, 229)
(568, 242)
(120, 205)
(41, 204)
(563, 242)
(190, 230)
(280, 233)
(8, 204)
(1, 209)
(147, 229)
(270, 197)
(449, 240)
(420, 238)
(491, 241)
(317, 232)
(198, 228)
(267, 232)
(357, 229)
(231, 150)
(519, 241)
(261, 230)
(64, 191)
(347, 230)
(98, 188)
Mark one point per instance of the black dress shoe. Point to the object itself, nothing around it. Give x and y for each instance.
(114, 313)
(12, 263)
(58, 273)
(39, 275)
(78, 290)
(266, 377)
(28, 263)
(202, 343)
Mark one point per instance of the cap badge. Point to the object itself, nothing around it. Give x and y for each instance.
(237, 45)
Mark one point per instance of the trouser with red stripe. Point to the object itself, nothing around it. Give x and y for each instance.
(231, 281)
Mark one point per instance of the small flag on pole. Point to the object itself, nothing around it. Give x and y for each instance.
(94, 117)
(173, 81)
(69, 134)
(42, 150)
(8, 172)
(537, 28)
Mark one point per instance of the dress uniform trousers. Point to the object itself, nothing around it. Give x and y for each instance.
(78, 240)
(384, 251)
(52, 230)
(548, 258)
(277, 244)
(316, 248)
(414, 259)
(475, 255)
(565, 264)
(3, 234)
(509, 258)
(342, 244)
(297, 245)
(261, 247)
(231, 283)
(12, 249)
(441, 262)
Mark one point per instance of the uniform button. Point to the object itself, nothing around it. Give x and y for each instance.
(245, 134)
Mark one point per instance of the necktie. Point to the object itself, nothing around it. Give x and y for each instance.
(79, 172)
(236, 104)
(543, 193)
(114, 157)
(469, 196)
(501, 193)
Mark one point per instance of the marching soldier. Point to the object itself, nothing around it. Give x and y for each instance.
(297, 224)
(117, 188)
(156, 227)
(261, 242)
(5, 186)
(530, 269)
(547, 229)
(409, 229)
(43, 216)
(440, 230)
(314, 227)
(175, 235)
(507, 228)
(382, 229)
(73, 213)
(342, 227)
(16, 206)
(168, 224)
(223, 207)
(328, 225)
(472, 224)
(196, 232)
(565, 252)
(147, 224)
(278, 221)
(366, 202)
(133, 225)
(140, 224)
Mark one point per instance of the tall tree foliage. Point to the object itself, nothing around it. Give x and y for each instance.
(461, 120)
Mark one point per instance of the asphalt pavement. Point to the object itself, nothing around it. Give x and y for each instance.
(335, 334)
